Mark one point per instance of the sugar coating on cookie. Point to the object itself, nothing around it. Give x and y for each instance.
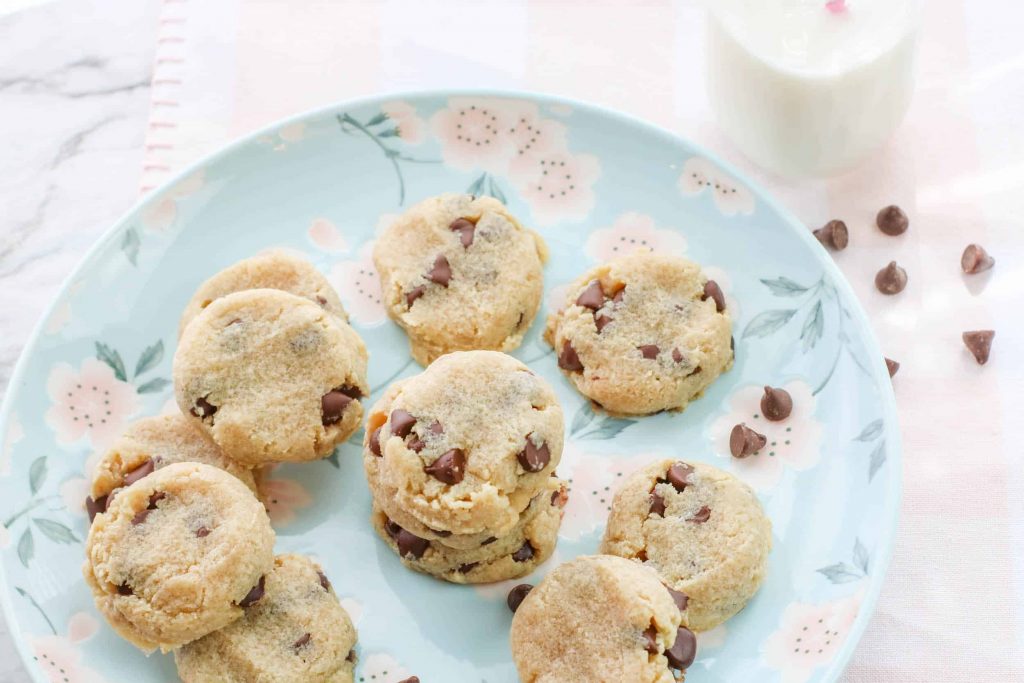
(643, 333)
(703, 530)
(515, 554)
(297, 632)
(465, 445)
(272, 269)
(176, 553)
(458, 273)
(271, 377)
(596, 618)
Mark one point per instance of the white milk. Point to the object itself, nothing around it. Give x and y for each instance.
(809, 87)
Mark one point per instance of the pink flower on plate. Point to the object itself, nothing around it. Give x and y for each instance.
(162, 215)
(474, 133)
(358, 285)
(326, 236)
(283, 498)
(59, 656)
(381, 668)
(730, 196)
(558, 186)
(293, 132)
(809, 636)
(555, 299)
(89, 403)
(592, 482)
(631, 231)
(531, 137)
(15, 433)
(792, 443)
(411, 128)
(719, 275)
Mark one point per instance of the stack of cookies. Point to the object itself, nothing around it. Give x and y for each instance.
(460, 461)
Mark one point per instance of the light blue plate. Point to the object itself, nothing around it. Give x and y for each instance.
(595, 184)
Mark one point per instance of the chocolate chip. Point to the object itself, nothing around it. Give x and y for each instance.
(95, 507)
(712, 290)
(324, 582)
(619, 295)
(684, 649)
(568, 360)
(401, 423)
(443, 533)
(238, 321)
(732, 344)
(332, 405)
(657, 505)
(677, 356)
(203, 408)
(409, 544)
(517, 595)
(441, 273)
(601, 321)
(702, 515)
(679, 475)
(466, 229)
(374, 441)
(155, 498)
(524, 553)
(592, 297)
(254, 595)
(413, 294)
(892, 366)
(351, 656)
(125, 589)
(642, 555)
(449, 468)
(140, 516)
(834, 235)
(776, 404)
(411, 679)
(560, 497)
(202, 532)
(417, 445)
(302, 642)
(534, 458)
(679, 597)
(651, 639)
(467, 568)
(436, 428)
(112, 495)
(744, 441)
(321, 300)
(891, 280)
(649, 351)
(892, 221)
(975, 259)
(143, 470)
(979, 343)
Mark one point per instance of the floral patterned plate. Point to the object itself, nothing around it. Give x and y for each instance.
(595, 184)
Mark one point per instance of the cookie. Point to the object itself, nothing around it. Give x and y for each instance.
(701, 529)
(458, 273)
(643, 333)
(600, 619)
(177, 555)
(272, 269)
(271, 377)
(297, 632)
(466, 444)
(516, 554)
(150, 444)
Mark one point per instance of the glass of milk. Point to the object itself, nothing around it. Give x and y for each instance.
(810, 87)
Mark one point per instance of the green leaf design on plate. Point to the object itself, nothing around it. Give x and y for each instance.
(333, 459)
(495, 191)
(150, 358)
(130, 245)
(871, 432)
(357, 438)
(588, 425)
(860, 556)
(113, 359)
(478, 185)
(379, 118)
(26, 547)
(783, 286)
(389, 133)
(55, 531)
(153, 385)
(877, 460)
(768, 322)
(813, 327)
(583, 417)
(840, 572)
(37, 474)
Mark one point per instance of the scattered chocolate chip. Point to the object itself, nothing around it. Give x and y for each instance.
(702, 515)
(374, 441)
(893, 366)
(155, 498)
(677, 356)
(568, 359)
(657, 505)
(679, 597)
(302, 642)
(891, 280)
(976, 259)
(892, 221)
(449, 468)
(601, 321)
(409, 544)
(651, 639)
(834, 235)
(333, 404)
(534, 458)
(979, 343)
(679, 475)
(202, 532)
(776, 403)
(140, 516)
(441, 273)
(203, 408)
(125, 589)
(649, 351)
(467, 568)
(413, 294)
(592, 297)
(466, 229)
(517, 595)
(401, 423)
(524, 553)
(744, 441)
(489, 540)
(712, 290)
(254, 595)
(560, 497)
(324, 581)
(95, 507)
(143, 470)
(684, 649)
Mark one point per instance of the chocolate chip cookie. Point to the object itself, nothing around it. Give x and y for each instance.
(297, 632)
(178, 554)
(464, 446)
(272, 269)
(702, 529)
(515, 554)
(150, 444)
(643, 333)
(601, 619)
(271, 377)
(458, 273)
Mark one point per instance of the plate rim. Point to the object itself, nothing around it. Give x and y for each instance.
(890, 416)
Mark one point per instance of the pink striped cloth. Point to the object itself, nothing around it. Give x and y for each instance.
(953, 604)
